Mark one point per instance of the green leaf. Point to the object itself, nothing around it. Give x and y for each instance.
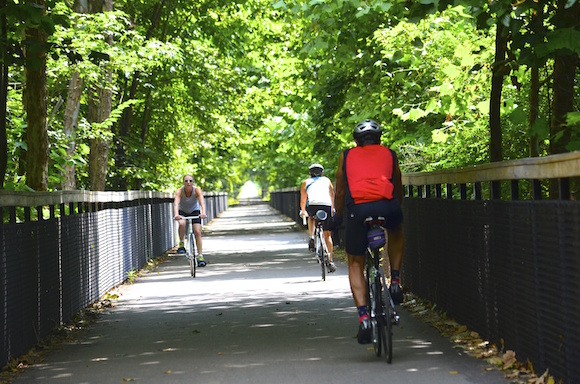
(562, 38)
(572, 118)
(362, 12)
(540, 128)
(439, 135)
(573, 145)
(446, 89)
(518, 116)
(483, 107)
(279, 5)
(416, 113)
(452, 71)
(85, 149)
(417, 42)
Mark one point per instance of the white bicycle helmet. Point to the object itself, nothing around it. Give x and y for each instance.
(316, 169)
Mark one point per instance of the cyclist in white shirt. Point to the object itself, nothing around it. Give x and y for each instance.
(317, 193)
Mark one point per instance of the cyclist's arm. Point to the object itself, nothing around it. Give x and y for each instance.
(397, 182)
(199, 195)
(340, 191)
(176, 201)
(303, 197)
(331, 193)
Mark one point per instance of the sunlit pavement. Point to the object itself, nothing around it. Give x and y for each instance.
(258, 313)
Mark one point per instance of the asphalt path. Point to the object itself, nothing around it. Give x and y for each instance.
(259, 312)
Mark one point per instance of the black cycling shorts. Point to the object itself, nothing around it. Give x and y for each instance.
(355, 241)
(312, 209)
(197, 212)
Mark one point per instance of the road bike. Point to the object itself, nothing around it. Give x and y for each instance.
(320, 247)
(190, 250)
(381, 306)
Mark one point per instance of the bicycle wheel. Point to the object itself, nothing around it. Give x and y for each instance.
(380, 322)
(192, 258)
(319, 251)
(324, 258)
(387, 313)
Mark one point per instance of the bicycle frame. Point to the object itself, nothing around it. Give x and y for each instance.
(190, 251)
(382, 308)
(322, 254)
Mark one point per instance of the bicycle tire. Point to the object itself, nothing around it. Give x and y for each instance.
(321, 258)
(388, 321)
(380, 321)
(192, 258)
(323, 255)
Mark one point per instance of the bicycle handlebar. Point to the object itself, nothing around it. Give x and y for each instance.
(190, 217)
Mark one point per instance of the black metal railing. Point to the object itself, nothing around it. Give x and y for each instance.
(486, 245)
(61, 251)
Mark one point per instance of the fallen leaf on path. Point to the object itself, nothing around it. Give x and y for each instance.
(509, 359)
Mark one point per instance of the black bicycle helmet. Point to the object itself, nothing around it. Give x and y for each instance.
(316, 169)
(367, 128)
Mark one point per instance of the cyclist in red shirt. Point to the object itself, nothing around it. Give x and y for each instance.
(368, 182)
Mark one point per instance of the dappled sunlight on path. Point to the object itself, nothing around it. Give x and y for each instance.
(259, 312)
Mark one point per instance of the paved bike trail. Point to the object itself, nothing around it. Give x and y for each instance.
(258, 313)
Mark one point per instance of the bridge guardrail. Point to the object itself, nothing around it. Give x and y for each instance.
(491, 250)
(61, 251)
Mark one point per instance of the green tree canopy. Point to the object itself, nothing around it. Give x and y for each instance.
(257, 90)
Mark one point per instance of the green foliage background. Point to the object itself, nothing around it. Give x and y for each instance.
(257, 90)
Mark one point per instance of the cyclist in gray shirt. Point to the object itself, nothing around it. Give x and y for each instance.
(189, 201)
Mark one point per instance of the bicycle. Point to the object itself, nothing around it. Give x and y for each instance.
(190, 250)
(381, 306)
(321, 250)
(320, 247)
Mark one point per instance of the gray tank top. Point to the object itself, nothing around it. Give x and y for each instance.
(189, 204)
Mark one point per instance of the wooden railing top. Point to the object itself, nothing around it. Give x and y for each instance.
(535, 168)
(33, 199)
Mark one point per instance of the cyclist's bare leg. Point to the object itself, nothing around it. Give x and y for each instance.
(328, 240)
(197, 234)
(310, 227)
(358, 285)
(181, 230)
(396, 245)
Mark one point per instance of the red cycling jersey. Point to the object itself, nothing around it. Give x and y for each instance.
(369, 173)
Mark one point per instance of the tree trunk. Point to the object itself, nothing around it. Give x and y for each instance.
(534, 104)
(71, 113)
(565, 64)
(99, 110)
(37, 155)
(537, 25)
(126, 117)
(495, 143)
(5, 46)
(70, 124)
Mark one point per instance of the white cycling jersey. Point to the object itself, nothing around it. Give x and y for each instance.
(318, 191)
